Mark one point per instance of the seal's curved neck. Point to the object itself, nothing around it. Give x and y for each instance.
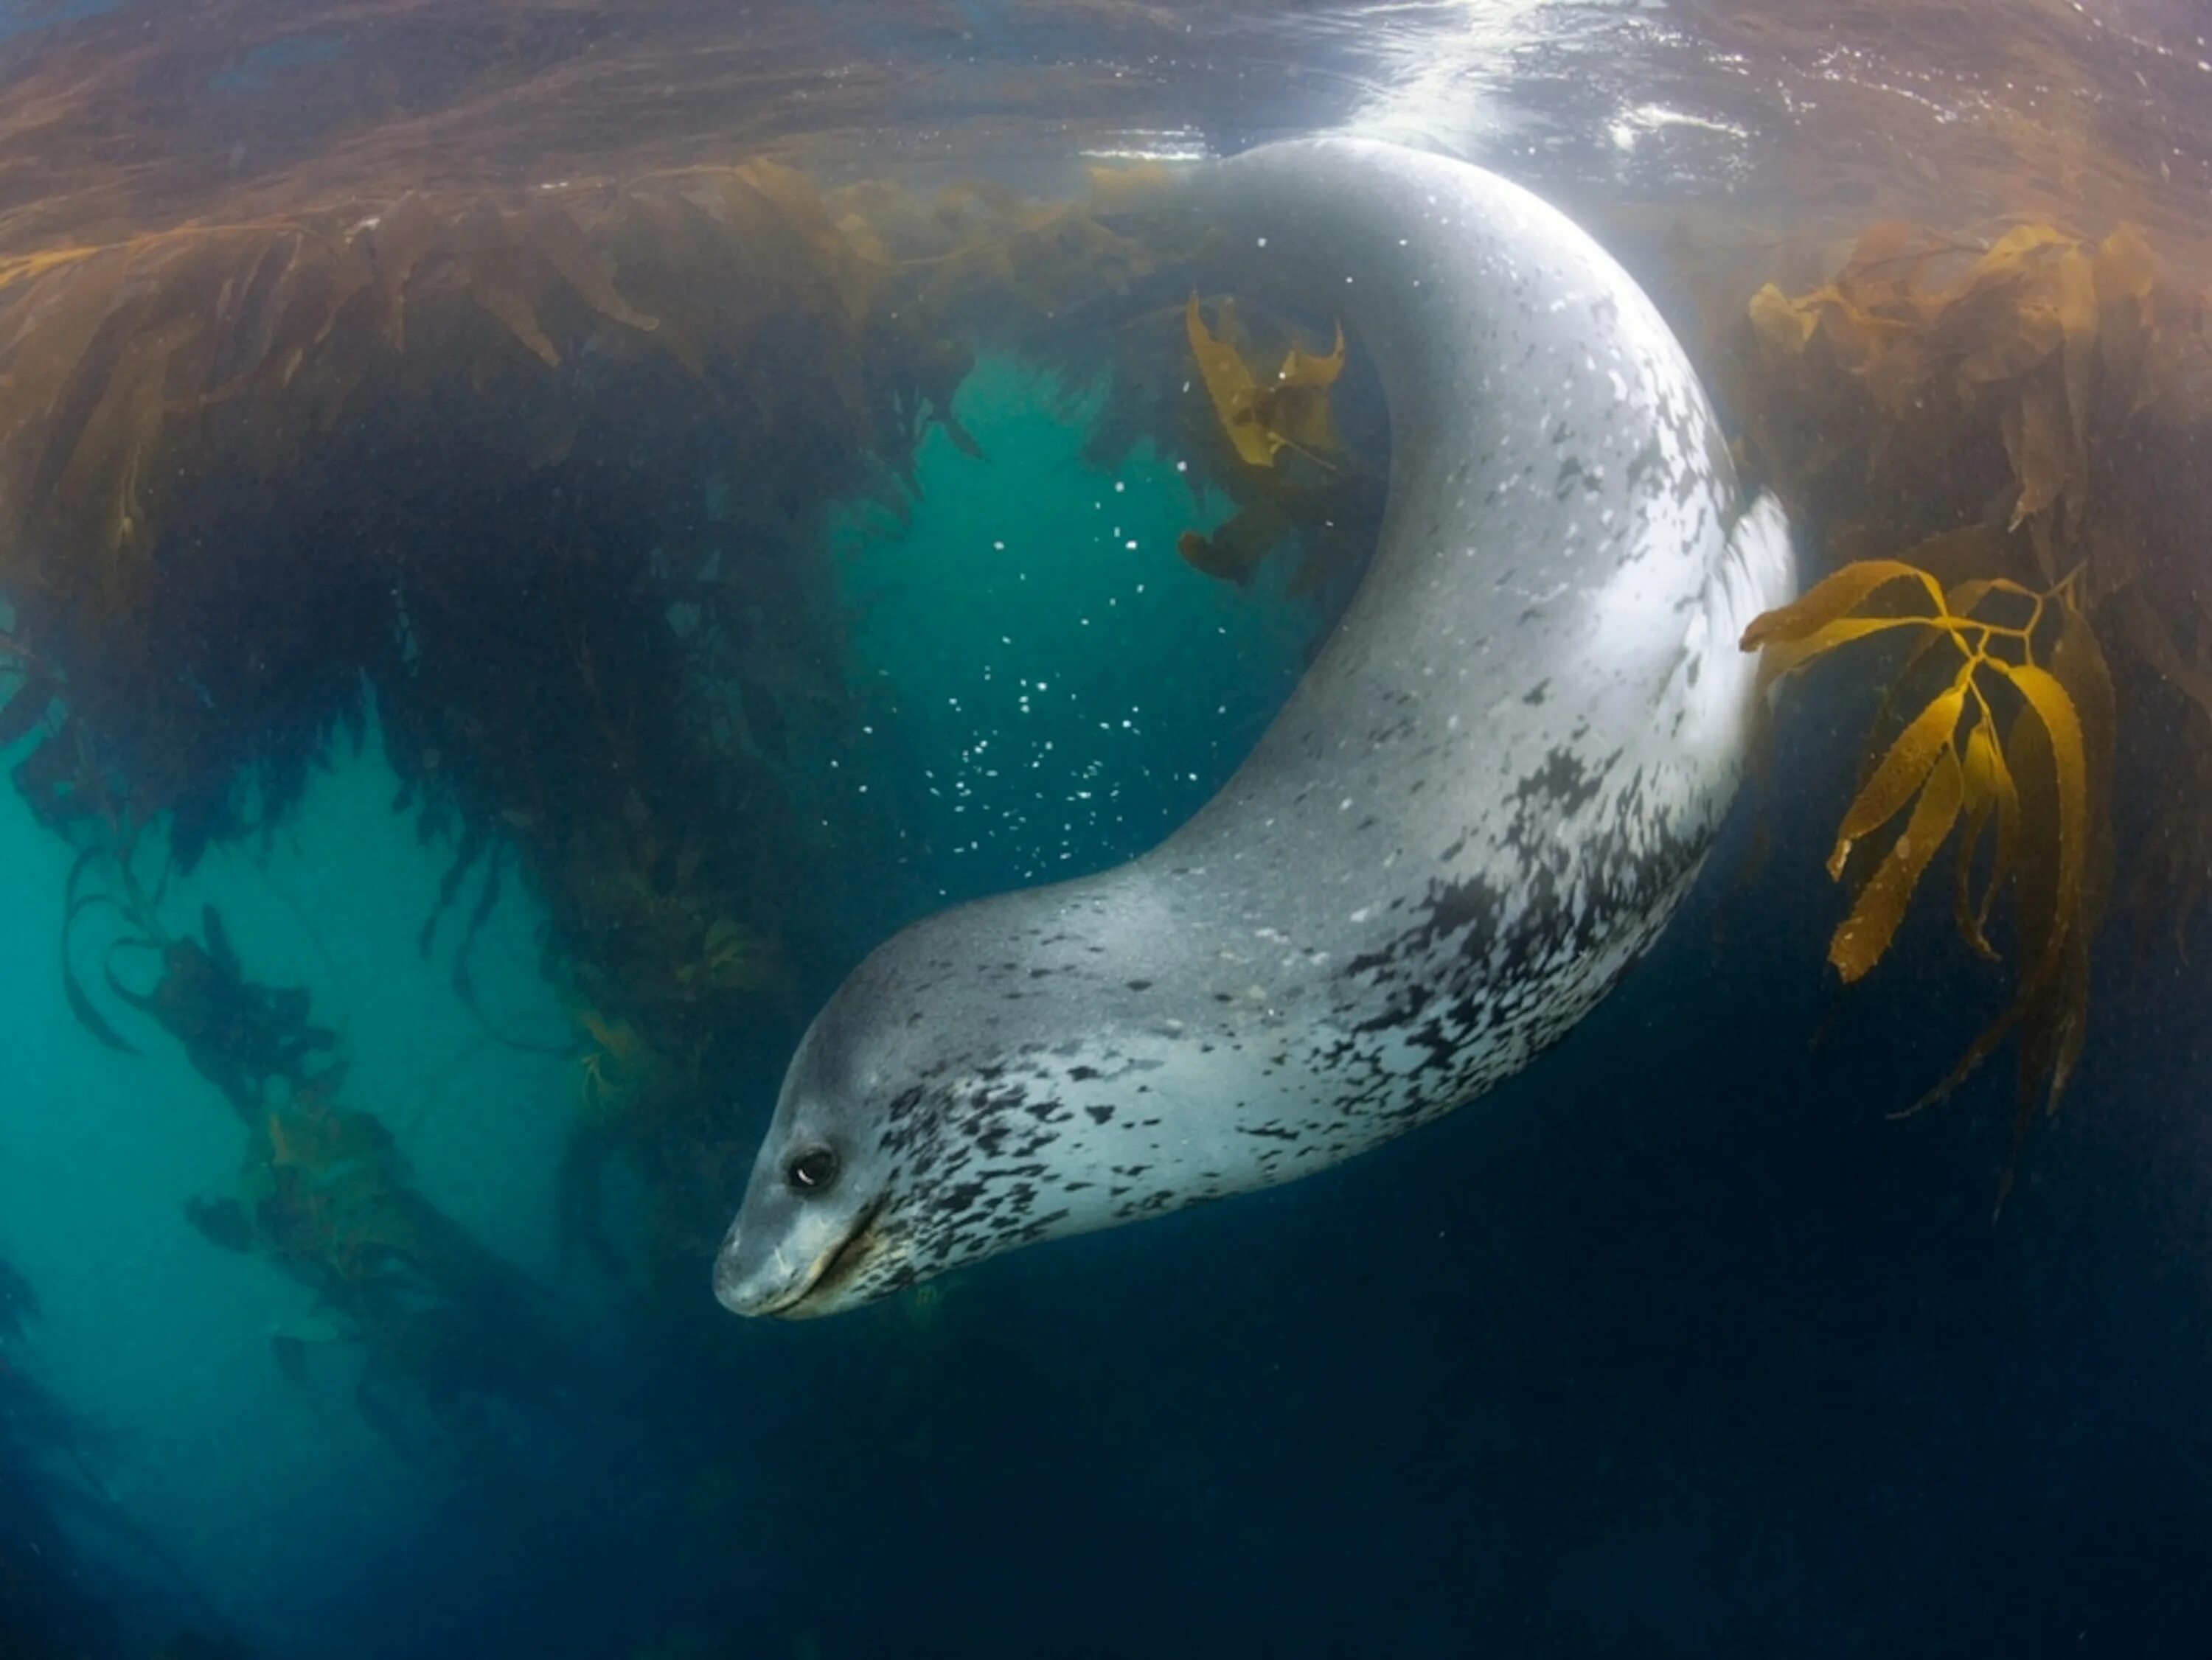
(1482, 801)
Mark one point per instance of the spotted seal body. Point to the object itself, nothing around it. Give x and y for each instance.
(1479, 805)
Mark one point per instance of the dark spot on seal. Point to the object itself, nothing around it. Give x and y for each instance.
(1563, 778)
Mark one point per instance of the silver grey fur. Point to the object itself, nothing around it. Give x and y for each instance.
(1480, 804)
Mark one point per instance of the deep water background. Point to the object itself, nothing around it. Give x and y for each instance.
(1675, 1345)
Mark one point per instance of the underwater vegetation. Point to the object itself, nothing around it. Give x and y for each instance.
(323, 1193)
(1297, 472)
(1991, 439)
(535, 482)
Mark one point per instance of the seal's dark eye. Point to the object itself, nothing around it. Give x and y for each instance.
(812, 1170)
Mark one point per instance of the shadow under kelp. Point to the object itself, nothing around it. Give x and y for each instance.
(44, 1608)
(57, 1599)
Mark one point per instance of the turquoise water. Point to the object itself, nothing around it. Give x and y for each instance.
(160, 1342)
(1066, 689)
(1049, 688)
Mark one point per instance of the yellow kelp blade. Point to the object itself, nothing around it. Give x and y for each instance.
(2037, 905)
(2077, 662)
(1989, 793)
(1793, 635)
(1924, 742)
(2004, 261)
(1290, 412)
(1864, 934)
(1304, 369)
(1831, 598)
(1781, 658)
(1230, 385)
(2054, 710)
(1294, 411)
(1783, 328)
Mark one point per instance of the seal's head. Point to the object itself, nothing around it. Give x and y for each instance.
(806, 1240)
(954, 1099)
(845, 1181)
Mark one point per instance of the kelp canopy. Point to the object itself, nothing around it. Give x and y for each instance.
(536, 479)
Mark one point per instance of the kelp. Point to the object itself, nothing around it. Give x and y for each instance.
(149, 390)
(1293, 474)
(1988, 439)
(529, 485)
(323, 1195)
(459, 463)
(243, 1038)
(1263, 418)
(1999, 753)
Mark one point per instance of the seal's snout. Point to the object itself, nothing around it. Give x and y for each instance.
(798, 1267)
(756, 1282)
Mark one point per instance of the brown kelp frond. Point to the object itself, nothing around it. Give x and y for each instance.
(1329, 493)
(102, 348)
(615, 1067)
(2043, 340)
(1262, 418)
(1989, 437)
(1999, 748)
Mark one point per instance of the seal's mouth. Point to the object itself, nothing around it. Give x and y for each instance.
(832, 1271)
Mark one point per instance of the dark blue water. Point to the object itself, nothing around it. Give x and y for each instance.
(1678, 1344)
(1674, 1345)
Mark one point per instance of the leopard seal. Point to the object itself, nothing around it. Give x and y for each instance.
(1481, 802)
